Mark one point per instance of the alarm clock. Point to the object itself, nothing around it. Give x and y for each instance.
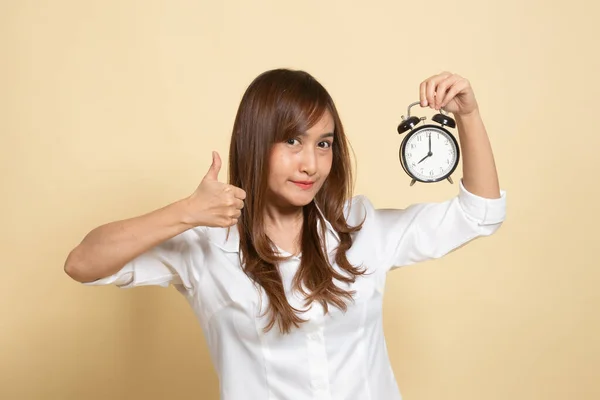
(428, 153)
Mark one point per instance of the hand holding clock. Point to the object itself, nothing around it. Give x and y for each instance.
(453, 94)
(449, 91)
(440, 155)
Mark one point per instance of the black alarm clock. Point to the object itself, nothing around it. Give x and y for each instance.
(428, 153)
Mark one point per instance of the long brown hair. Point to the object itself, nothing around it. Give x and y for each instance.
(277, 106)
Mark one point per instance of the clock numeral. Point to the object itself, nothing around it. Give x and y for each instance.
(448, 162)
(431, 173)
(409, 155)
(413, 146)
(413, 164)
(419, 138)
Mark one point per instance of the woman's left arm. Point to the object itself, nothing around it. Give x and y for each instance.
(454, 94)
(426, 231)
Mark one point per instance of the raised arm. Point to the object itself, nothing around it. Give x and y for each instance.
(106, 249)
(454, 94)
(431, 230)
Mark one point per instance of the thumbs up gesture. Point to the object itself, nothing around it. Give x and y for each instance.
(215, 203)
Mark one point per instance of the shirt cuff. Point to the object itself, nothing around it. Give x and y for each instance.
(483, 210)
(123, 279)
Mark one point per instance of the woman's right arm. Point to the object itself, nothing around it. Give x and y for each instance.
(108, 248)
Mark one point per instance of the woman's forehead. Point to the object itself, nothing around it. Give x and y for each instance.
(325, 125)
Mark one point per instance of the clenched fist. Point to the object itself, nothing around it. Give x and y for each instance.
(215, 203)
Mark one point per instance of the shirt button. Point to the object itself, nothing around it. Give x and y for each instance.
(313, 336)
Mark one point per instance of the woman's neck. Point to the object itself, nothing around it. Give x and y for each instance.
(280, 219)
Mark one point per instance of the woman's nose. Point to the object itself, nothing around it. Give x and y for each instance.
(308, 162)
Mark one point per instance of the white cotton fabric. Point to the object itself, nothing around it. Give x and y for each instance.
(334, 356)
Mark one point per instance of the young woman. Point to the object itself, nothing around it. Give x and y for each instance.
(283, 267)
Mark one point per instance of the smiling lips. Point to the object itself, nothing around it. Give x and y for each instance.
(304, 184)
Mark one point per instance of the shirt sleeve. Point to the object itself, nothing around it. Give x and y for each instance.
(431, 230)
(171, 262)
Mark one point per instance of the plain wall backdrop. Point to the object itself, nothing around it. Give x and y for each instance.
(110, 109)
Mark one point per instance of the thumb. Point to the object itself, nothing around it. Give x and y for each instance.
(215, 167)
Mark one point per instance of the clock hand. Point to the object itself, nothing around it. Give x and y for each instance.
(429, 153)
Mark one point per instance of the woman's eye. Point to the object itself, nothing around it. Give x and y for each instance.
(291, 141)
(325, 145)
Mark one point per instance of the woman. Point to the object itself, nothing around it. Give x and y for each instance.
(284, 269)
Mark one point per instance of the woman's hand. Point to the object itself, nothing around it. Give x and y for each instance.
(214, 203)
(449, 91)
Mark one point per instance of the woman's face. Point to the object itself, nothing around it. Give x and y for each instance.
(300, 166)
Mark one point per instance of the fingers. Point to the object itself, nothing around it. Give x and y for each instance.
(236, 213)
(239, 193)
(215, 167)
(235, 202)
(239, 204)
(428, 91)
(442, 91)
(233, 218)
(423, 94)
(457, 86)
(232, 222)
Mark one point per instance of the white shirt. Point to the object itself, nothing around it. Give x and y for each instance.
(333, 356)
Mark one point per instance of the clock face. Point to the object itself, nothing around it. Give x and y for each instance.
(430, 154)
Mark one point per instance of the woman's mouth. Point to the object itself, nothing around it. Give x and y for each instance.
(303, 184)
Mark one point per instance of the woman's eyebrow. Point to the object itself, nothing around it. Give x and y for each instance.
(323, 136)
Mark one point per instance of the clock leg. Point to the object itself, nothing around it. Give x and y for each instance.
(450, 180)
(412, 182)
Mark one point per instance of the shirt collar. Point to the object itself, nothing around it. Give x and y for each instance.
(232, 243)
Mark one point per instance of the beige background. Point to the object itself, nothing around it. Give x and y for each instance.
(110, 109)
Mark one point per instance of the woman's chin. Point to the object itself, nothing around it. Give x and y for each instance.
(298, 199)
(292, 197)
